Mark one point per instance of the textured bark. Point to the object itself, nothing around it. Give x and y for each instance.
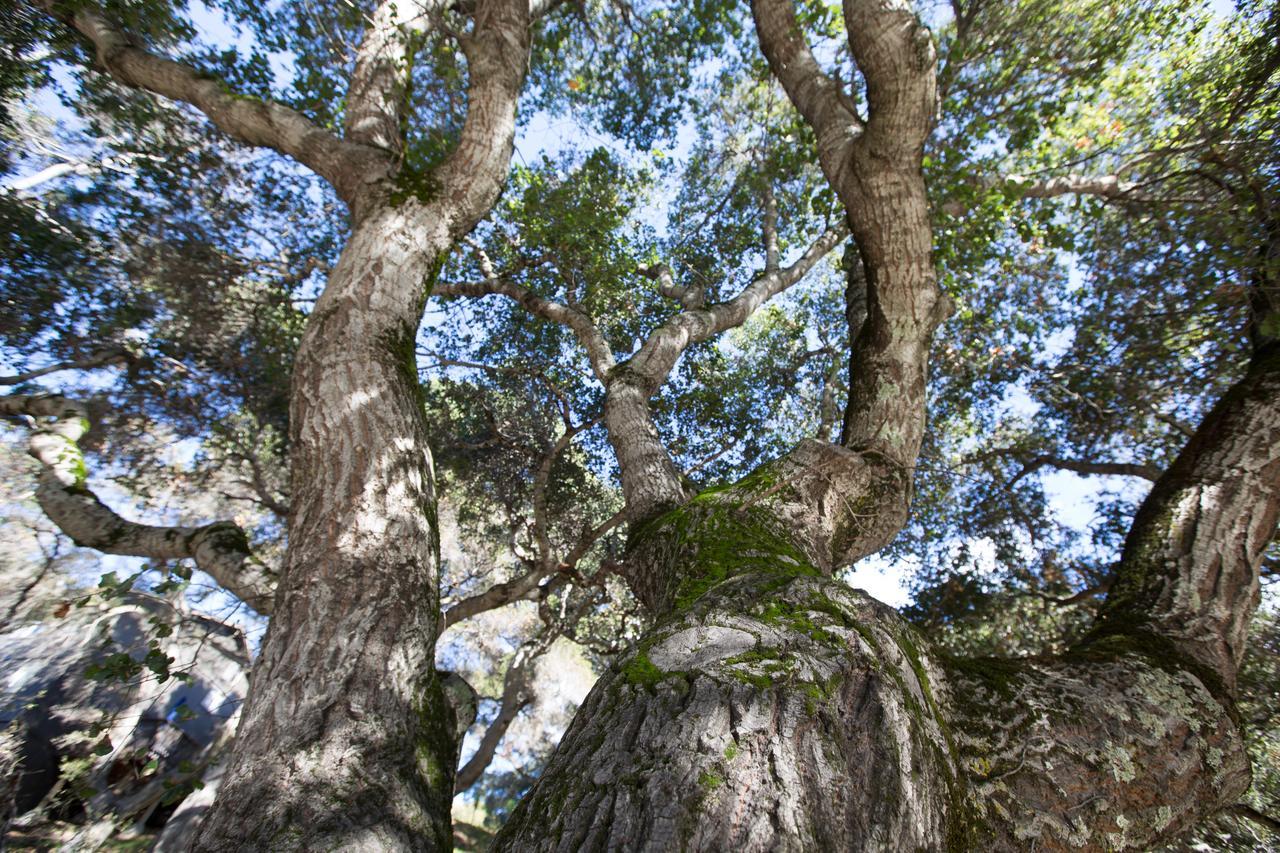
(344, 739)
(771, 708)
(779, 712)
(220, 549)
(1117, 746)
(1189, 570)
(348, 737)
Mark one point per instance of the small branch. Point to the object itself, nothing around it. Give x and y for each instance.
(829, 406)
(1080, 466)
(541, 479)
(1077, 598)
(658, 354)
(597, 348)
(770, 228)
(101, 358)
(527, 586)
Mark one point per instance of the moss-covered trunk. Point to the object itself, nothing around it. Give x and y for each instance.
(774, 708)
(779, 711)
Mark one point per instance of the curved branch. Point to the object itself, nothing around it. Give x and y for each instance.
(818, 97)
(377, 94)
(220, 549)
(896, 55)
(497, 52)
(651, 482)
(661, 350)
(348, 166)
(597, 348)
(517, 694)
(528, 585)
(1189, 569)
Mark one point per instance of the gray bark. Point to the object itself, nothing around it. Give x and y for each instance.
(779, 712)
(348, 739)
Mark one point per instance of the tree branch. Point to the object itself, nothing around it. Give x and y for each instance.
(517, 693)
(897, 58)
(661, 350)
(377, 94)
(527, 586)
(497, 52)
(1189, 569)
(1081, 466)
(651, 483)
(221, 549)
(1261, 818)
(541, 479)
(101, 358)
(818, 97)
(597, 348)
(348, 166)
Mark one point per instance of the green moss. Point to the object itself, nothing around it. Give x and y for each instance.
(722, 532)
(435, 748)
(758, 680)
(710, 780)
(79, 470)
(731, 752)
(642, 671)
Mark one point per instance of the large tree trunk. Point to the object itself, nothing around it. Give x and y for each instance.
(773, 708)
(346, 740)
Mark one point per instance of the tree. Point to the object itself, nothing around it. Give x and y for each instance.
(766, 704)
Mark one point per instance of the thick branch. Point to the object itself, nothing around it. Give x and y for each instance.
(1189, 570)
(348, 166)
(517, 693)
(497, 52)
(818, 97)
(897, 58)
(220, 549)
(377, 96)
(1104, 186)
(651, 482)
